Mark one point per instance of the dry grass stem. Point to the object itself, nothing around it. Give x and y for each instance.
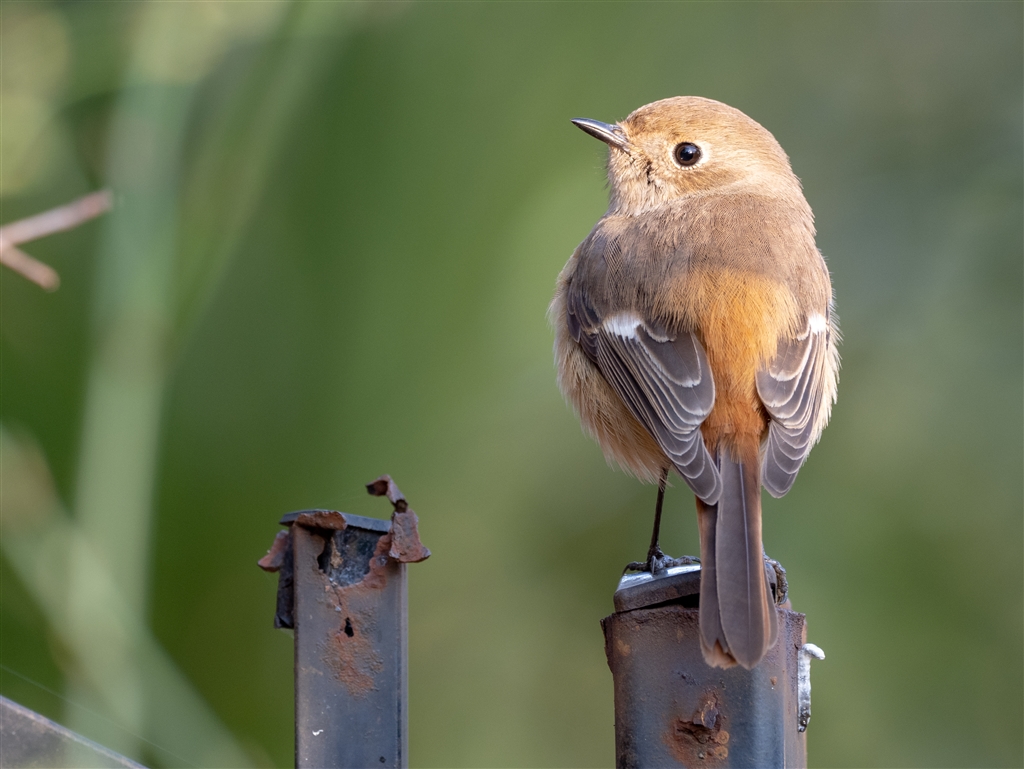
(58, 219)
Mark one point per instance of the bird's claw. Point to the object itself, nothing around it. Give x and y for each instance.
(657, 562)
(781, 584)
(683, 560)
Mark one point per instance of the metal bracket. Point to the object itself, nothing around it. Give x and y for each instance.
(804, 683)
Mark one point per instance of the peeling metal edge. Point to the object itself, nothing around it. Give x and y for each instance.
(347, 519)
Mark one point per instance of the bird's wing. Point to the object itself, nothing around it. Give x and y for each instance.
(663, 378)
(795, 388)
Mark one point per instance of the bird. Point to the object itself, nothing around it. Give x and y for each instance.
(695, 332)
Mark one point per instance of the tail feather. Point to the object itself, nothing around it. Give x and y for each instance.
(737, 616)
(712, 638)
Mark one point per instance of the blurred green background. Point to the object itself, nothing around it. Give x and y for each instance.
(336, 233)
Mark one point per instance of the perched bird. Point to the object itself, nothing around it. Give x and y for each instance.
(694, 331)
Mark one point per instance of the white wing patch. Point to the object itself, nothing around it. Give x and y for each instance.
(622, 324)
(817, 323)
(667, 385)
(662, 377)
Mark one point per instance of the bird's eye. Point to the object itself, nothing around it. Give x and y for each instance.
(686, 154)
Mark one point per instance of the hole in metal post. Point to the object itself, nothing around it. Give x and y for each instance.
(347, 555)
(324, 559)
(348, 628)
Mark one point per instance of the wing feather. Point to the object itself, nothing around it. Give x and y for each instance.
(794, 389)
(663, 378)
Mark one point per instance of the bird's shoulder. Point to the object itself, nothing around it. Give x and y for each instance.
(724, 225)
(628, 257)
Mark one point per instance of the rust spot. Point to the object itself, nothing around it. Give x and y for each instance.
(405, 538)
(322, 519)
(699, 736)
(385, 487)
(404, 535)
(707, 714)
(349, 652)
(274, 559)
(335, 561)
(377, 576)
(350, 656)
(622, 647)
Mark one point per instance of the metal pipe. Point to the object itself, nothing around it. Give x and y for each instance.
(672, 709)
(342, 587)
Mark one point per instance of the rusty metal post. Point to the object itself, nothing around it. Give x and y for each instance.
(342, 587)
(672, 709)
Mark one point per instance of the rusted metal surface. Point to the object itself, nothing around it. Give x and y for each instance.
(280, 559)
(274, 559)
(405, 544)
(317, 519)
(672, 709)
(386, 487)
(346, 579)
(405, 537)
(350, 647)
(701, 736)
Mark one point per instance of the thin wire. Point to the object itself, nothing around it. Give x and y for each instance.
(92, 712)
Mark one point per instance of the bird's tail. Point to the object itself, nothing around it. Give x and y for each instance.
(738, 622)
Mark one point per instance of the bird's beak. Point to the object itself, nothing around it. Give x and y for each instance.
(611, 135)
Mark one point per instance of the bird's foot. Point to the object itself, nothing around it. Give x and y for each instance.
(657, 562)
(683, 560)
(781, 585)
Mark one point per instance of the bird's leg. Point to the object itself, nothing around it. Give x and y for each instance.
(657, 561)
(656, 558)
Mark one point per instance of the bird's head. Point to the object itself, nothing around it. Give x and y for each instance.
(684, 146)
